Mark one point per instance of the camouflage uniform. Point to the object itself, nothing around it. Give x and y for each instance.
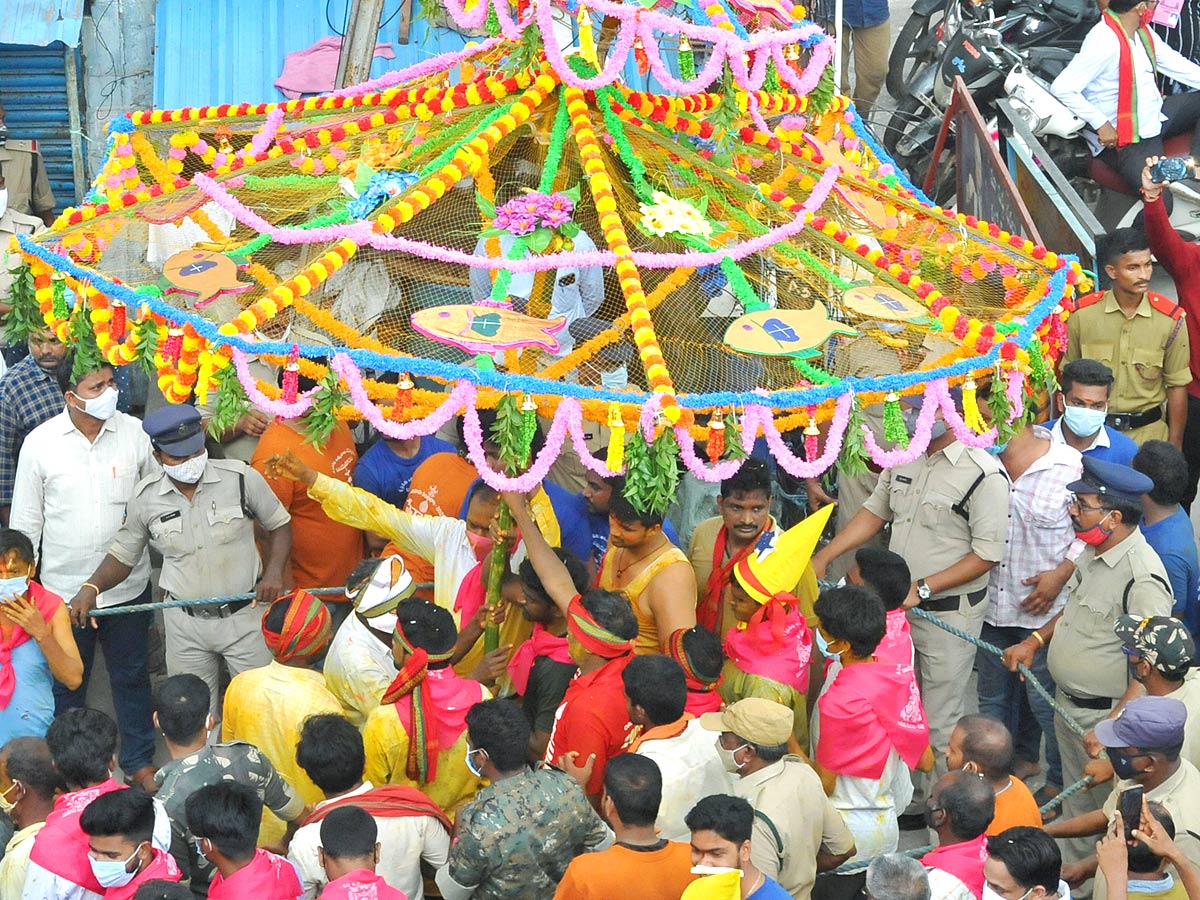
(233, 761)
(516, 838)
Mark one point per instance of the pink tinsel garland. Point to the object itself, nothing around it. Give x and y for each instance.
(461, 397)
(536, 473)
(262, 141)
(362, 234)
(262, 401)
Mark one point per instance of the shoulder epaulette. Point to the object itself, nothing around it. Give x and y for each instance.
(1088, 299)
(1164, 305)
(24, 146)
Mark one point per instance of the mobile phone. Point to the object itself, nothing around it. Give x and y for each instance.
(1173, 168)
(1130, 804)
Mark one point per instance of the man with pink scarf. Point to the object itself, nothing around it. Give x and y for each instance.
(769, 648)
(871, 729)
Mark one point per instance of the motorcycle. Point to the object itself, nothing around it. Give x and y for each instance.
(1035, 39)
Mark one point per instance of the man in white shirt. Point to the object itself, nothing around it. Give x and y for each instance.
(75, 474)
(411, 827)
(359, 665)
(686, 754)
(1114, 89)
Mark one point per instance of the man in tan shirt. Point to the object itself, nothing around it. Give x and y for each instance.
(1142, 337)
(797, 829)
(948, 511)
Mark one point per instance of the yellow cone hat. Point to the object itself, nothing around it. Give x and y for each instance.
(775, 568)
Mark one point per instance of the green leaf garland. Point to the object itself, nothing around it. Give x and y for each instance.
(651, 471)
(230, 402)
(321, 418)
(25, 317)
(853, 458)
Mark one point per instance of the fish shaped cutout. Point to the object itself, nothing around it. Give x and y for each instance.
(784, 332)
(862, 203)
(884, 303)
(203, 274)
(482, 328)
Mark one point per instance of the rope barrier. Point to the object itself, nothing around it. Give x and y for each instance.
(1054, 802)
(213, 601)
(996, 651)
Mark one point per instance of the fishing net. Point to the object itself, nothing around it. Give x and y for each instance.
(738, 233)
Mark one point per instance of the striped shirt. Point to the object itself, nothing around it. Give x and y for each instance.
(29, 395)
(1040, 534)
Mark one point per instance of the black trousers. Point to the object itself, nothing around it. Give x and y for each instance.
(1183, 117)
(1191, 449)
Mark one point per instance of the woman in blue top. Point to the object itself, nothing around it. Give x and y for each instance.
(36, 644)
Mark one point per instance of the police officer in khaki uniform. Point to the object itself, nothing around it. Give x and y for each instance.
(199, 513)
(1142, 337)
(948, 512)
(1117, 574)
(23, 176)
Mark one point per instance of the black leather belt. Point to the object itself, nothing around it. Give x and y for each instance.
(1130, 421)
(1090, 702)
(216, 611)
(949, 604)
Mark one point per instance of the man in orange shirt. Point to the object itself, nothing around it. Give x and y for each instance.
(982, 745)
(659, 868)
(324, 552)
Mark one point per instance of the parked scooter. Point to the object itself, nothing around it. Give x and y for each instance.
(1035, 39)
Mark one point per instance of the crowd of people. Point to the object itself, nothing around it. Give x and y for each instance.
(669, 708)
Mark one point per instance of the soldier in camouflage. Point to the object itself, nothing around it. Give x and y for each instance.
(517, 837)
(182, 714)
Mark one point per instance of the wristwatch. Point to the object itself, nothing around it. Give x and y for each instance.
(924, 592)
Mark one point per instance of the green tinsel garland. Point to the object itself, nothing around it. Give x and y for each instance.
(492, 22)
(771, 82)
(687, 63)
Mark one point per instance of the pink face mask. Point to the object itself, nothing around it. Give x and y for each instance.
(480, 544)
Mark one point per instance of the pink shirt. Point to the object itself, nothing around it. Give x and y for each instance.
(963, 860)
(266, 877)
(361, 884)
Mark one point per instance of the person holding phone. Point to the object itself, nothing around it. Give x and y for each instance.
(1144, 745)
(1181, 260)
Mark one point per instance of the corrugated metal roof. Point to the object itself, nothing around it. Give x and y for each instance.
(41, 22)
(230, 51)
(33, 85)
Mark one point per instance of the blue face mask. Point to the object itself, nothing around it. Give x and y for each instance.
(1084, 422)
(11, 588)
(616, 380)
(823, 645)
(112, 873)
(997, 449)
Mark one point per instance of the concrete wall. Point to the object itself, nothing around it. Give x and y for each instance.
(118, 67)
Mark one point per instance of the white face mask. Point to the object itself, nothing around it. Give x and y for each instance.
(989, 894)
(3, 201)
(103, 407)
(5, 804)
(188, 471)
(727, 757)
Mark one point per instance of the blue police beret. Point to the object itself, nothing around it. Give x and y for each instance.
(175, 429)
(1110, 479)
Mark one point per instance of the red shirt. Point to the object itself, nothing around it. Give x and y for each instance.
(361, 884)
(1181, 259)
(963, 860)
(592, 719)
(266, 877)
